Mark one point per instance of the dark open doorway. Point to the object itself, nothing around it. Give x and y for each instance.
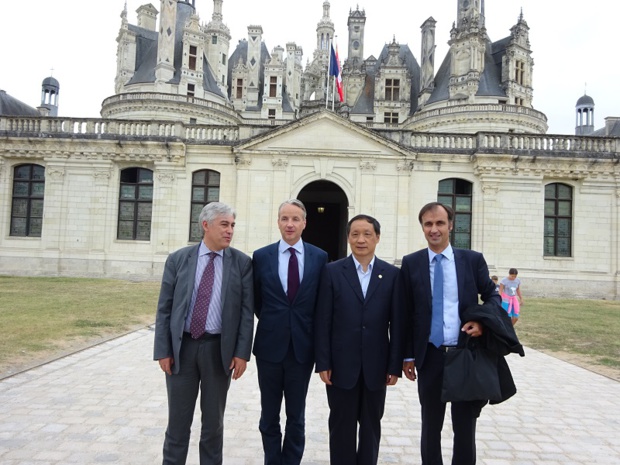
(327, 216)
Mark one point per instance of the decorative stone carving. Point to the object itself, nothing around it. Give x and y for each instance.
(368, 165)
(279, 163)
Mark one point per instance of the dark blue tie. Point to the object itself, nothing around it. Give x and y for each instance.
(293, 275)
(437, 321)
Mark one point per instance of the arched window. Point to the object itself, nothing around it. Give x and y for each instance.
(27, 206)
(205, 189)
(135, 204)
(456, 193)
(558, 220)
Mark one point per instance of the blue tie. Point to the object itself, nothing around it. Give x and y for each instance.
(437, 321)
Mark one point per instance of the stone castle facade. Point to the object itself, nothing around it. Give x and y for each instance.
(194, 120)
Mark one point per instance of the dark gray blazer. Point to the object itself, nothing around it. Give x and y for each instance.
(175, 298)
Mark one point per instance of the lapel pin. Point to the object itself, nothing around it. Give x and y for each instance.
(380, 276)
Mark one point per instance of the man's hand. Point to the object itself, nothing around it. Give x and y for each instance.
(238, 366)
(391, 380)
(326, 376)
(409, 370)
(166, 364)
(472, 328)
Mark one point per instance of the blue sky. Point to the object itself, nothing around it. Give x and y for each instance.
(573, 44)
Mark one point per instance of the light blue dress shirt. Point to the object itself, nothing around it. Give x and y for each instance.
(451, 319)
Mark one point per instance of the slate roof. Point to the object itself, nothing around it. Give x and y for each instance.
(490, 81)
(365, 102)
(146, 54)
(10, 106)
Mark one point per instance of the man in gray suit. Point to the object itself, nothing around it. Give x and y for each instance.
(203, 333)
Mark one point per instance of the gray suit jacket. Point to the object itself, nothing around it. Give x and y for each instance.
(175, 298)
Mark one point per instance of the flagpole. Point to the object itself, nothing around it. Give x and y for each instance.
(329, 63)
(333, 92)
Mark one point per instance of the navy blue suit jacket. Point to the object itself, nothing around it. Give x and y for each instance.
(357, 335)
(279, 321)
(472, 274)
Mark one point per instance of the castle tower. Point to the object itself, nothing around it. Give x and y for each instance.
(255, 40)
(517, 66)
(164, 69)
(584, 122)
(49, 95)
(217, 44)
(427, 71)
(192, 66)
(273, 85)
(468, 41)
(356, 23)
(324, 32)
(292, 77)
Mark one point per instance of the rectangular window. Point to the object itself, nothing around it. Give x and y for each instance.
(558, 220)
(192, 57)
(272, 114)
(214, 40)
(273, 86)
(223, 58)
(27, 204)
(205, 189)
(519, 72)
(390, 117)
(239, 93)
(135, 206)
(392, 89)
(457, 194)
(190, 90)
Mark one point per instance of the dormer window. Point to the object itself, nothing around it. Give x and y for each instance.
(392, 89)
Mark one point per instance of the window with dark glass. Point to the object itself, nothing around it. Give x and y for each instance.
(205, 189)
(135, 204)
(271, 114)
(27, 202)
(558, 220)
(390, 117)
(457, 194)
(223, 58)
(192, 56)
(273, 86)
(239, 88)
(392, 89)
(214, 39)
(191, 88)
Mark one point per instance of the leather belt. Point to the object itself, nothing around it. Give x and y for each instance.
(204, 337)
(446, 348)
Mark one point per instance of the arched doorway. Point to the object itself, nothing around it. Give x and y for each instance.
(327, 216)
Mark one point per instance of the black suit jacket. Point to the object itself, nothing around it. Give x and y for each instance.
(279, 321)
(473, 281)
(355, 334)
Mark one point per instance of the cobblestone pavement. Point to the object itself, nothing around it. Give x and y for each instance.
(107, 404)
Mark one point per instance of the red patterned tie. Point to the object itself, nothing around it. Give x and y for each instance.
(203, 298)
(293, 275)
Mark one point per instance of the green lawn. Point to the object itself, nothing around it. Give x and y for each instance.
(44, 317)
(41, 317)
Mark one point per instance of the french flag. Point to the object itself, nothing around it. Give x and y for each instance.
(334, 70)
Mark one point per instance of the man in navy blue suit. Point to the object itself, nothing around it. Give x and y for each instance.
(439, 284)
(286, 280)
(358, 343)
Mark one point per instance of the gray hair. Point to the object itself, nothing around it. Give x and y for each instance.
(295, 202)
(214, 209)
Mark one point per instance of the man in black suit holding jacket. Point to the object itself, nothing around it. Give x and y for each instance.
(358, 343)
(439, 284)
